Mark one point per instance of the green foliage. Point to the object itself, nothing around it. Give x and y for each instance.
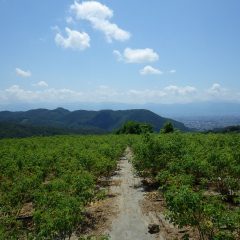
(199, 177)
(167, 128)
(198, 174)
(59, 121)
(57, 176)
(229, 129)
(16, 130)
(132, 127)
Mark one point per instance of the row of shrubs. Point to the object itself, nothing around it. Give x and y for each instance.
(199, 177)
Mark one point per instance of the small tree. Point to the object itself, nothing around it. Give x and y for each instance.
(167, 128)
(132, 127)
(146, 128)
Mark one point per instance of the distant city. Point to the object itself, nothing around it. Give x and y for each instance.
(203, 123)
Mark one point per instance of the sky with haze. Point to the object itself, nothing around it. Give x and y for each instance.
(122, 51)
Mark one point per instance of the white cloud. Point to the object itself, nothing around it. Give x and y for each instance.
(172, 89)
(16, 93)
(217, 90)
(69, 20)
(118, 55)
(172, 71)
(75, 40)
(218, 93)
(101, 93)
(137, 55)
(147, 70)
(41, 84)
(146, 95)
(168, 94)
(22, 73)
(98, 15)
(104, 93)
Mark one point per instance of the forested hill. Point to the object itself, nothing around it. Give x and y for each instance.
(229, 129)
(17, 130)
(94, 121)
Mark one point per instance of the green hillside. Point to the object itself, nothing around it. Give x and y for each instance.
(81, 121)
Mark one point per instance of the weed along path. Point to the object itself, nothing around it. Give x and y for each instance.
(130, 223)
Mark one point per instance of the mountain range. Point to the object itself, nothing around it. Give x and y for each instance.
(82, 121)
(194, 109)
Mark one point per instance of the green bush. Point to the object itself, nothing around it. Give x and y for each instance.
(132, 127)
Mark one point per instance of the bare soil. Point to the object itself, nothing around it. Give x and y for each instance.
(130, 222)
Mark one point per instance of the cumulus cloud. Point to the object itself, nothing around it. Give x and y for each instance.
(168, 94)
(216, 89)
(149, 70)
(137, 55)
(99, 16)
(41, 84)
(75, 40)
(180, 90)
(219, 93)
(101, 93)
(17, 93)
(22, 73)
(164, 95)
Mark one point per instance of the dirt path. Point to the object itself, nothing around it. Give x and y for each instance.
(129, 209)
(130, 223)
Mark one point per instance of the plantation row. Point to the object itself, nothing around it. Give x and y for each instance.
(45, 183)
(199, 177)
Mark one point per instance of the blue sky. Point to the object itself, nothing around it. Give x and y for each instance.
(158, 51)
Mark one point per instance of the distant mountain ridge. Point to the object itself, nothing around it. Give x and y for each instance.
(94, 121)
(194, 109)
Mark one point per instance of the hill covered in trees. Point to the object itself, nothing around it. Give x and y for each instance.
(62, 121)
(229, 129)
(16, 130)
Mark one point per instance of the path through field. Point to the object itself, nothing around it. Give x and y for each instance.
(130, 224)
(129, 210)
